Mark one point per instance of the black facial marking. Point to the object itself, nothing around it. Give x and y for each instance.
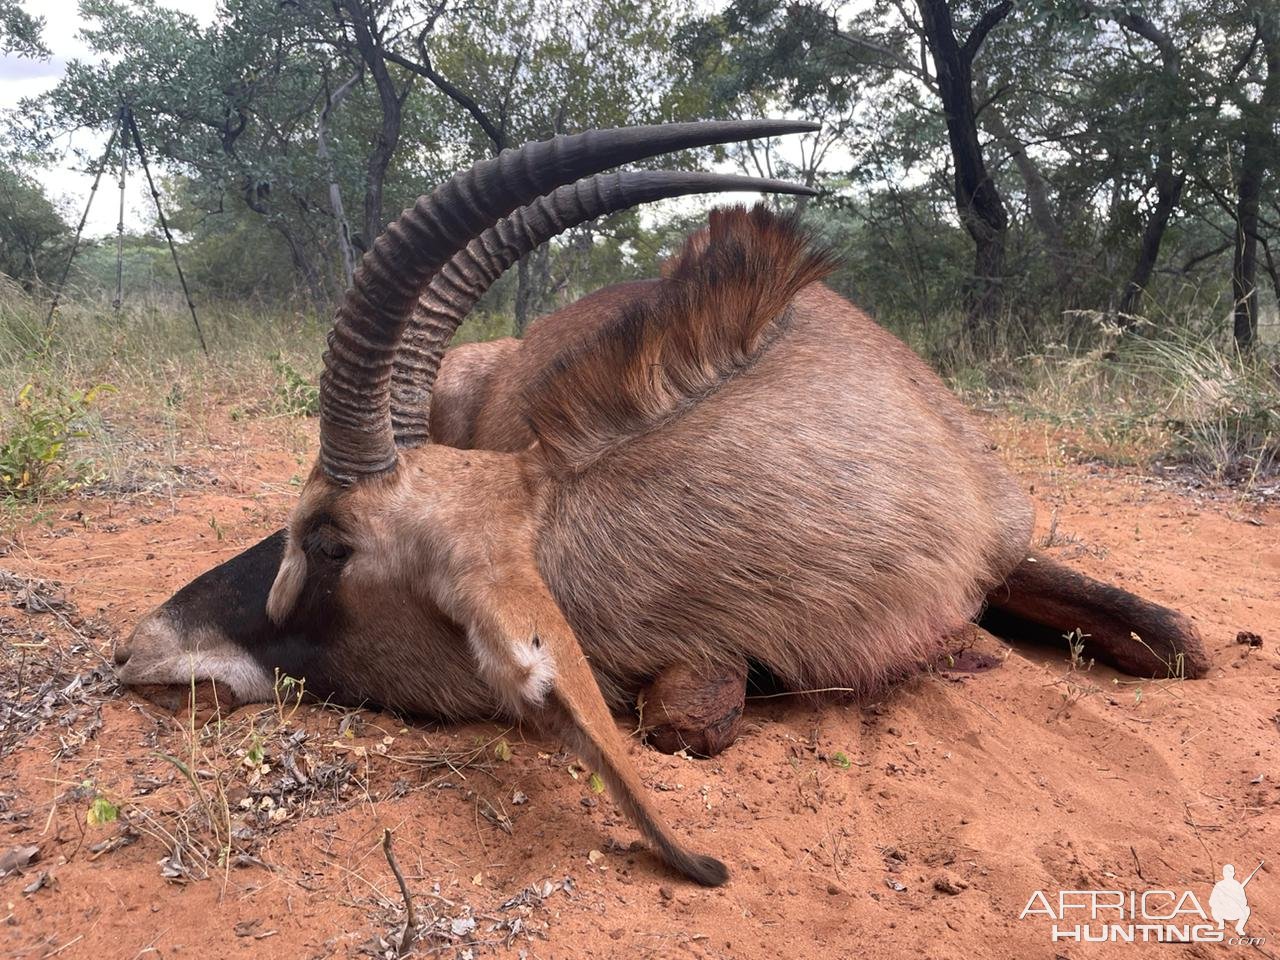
(232, 599)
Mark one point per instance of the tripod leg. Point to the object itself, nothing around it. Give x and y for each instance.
(164, 225)
(75, 244)
(119, 300)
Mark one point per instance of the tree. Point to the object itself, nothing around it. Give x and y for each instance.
(1169, 177)
(515, 71)
(33, 236)
(20, 33)
(926, 49)
(287, 109)
(1256, 147)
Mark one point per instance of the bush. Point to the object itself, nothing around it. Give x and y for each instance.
(33, 447)
(295, 395)
(1223, 407)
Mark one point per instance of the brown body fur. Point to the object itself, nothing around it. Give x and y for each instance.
(786, 508)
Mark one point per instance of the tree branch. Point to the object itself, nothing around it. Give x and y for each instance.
(986, 23)
(1201, 257)
(1136, 23)
(886, 53)
(450, 90)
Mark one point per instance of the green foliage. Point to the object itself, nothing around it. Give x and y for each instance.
(1086, 113)
(20, 32)
(236, 125)
(101, 811)
(295, 395)
(34, 240)
(34, 445)
(255, 755)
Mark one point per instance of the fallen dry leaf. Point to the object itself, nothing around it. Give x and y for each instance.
(42, 880)
(15, 858)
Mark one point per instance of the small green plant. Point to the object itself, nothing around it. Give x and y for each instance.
(256, 754)
(1075, 646)
(101, 811)
(295, 395)
(841, 759)
(595, 783)
(289, 692)
(33, 448)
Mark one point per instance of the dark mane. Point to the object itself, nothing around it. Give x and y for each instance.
(721, 303)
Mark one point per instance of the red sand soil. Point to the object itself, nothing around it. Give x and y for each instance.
(915, 826)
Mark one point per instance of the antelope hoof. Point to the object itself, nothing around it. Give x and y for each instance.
(1164, 643)
(693, 708)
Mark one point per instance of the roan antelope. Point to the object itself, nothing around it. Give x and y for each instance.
(730, 464)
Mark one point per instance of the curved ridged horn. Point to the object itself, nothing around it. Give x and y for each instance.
(462, 281)
(355, 424)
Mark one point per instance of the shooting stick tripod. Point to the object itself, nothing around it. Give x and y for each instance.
(125, 129)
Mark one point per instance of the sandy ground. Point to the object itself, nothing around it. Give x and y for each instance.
(916, 826)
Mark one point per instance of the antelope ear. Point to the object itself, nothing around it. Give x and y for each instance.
(288, 584)
(505, 633)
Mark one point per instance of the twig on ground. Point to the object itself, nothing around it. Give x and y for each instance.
(410, 918)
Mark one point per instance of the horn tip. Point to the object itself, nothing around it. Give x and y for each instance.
(794, 126)
(786, 186)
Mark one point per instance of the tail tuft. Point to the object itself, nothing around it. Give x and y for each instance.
(707, 871)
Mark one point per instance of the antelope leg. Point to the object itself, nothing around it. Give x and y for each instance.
(1048, 593)
(698, 709)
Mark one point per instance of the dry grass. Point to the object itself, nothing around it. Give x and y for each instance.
(1186, 402)
(46, 679)
(264, 359)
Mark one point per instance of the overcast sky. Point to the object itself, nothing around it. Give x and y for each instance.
(26, 78)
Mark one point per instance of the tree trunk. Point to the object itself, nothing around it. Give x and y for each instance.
(1168, 183)
(1244, 265)
(522, 295)
(257, 198)
(343, 227)
(369, 43)
(978, 201)
(1256, 150)
(306, 269)
(1168, 192)
(1037, 188)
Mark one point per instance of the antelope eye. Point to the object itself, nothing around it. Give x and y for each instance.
(334, 550)
(326, 543)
